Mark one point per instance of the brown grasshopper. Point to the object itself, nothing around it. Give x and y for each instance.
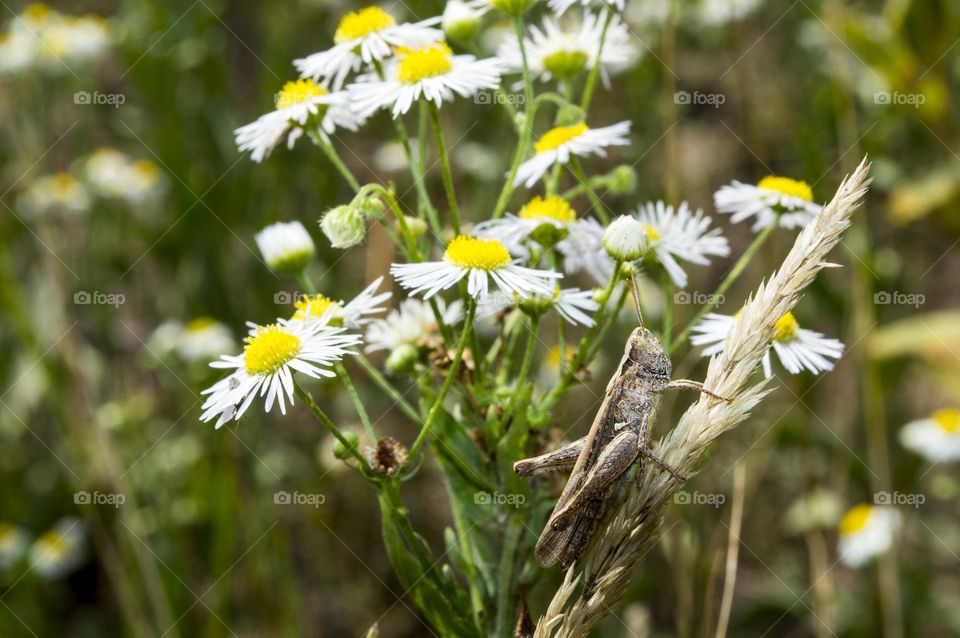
(617, 439)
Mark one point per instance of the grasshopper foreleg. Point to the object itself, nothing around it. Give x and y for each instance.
(687, 384)
(559, 460)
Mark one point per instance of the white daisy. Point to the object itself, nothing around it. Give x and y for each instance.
(553, 52)
(719, 12)
(773, 200)
(411, 324)
(365, 37)
(203, 338)
(337, 313)
(571, 304)
(57, 193)
(560, 6)
(559, 143)
(301, 105)
(866, 531)
(270, 357)
(680, 234)
(583, 251)
(431, 72)
(59, 551)
(480, 260)
(936, 438)
(13, 544)
(797, 348)
(542, 220)
(286, 246)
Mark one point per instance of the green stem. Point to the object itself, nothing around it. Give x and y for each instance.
(589, 88)
(524, 371)
(595, 201)
(447, 384)
(731, 277)
(387, 387)
(334, 158)
(344, 377)
(306, 283)
(506, 576)
(526, 128)
(445, 167)
(667, 308)
(327, 423)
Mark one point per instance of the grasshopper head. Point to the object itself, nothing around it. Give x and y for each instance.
(645, 350)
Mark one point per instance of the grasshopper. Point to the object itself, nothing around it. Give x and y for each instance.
(616, 440)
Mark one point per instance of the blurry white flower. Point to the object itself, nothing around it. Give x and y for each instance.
(773, 200)
(560, 6)
(270, 357)
(41, 37)
(365, 37)
(410, 324)
(553, 52)
(936, 438)
(866, 531)
(461, 19)
(718, 12)
(680, 234)
(479, 260)
(559, 143)
(301, 105)
(114, 174)
(570, 303)
(286, 247)
(431, 72)
(13, 544)
(797, 348)
(202, 339)
(337, 313)
(57, 193)
(625, 239)
(391, 158)
(59, 551)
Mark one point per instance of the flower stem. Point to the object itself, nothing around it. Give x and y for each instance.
(334, 158)
(344, 377)
(447, 384)
(732, 276)
(591, 84)
(445, 167)
(595, 201)
(388, 387)
(327, 423)
(524, 371)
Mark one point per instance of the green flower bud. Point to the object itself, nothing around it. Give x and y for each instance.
(622, 180)
(570, 115)
(512, 7)
(625, 239)
(460, 21)
(344, 226)
(565, 64)
(402, 359)
(341, 451)
(417, 227)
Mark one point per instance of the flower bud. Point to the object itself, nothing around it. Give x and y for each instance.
(622, 180)
(625, 239)
(402, 359)
(512, 7)
(286, 247)
(417, 227)
(460, 21)
(341, 451)
(344, 226)
(570, 115)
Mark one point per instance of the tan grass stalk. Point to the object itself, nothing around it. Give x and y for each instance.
(636, 527)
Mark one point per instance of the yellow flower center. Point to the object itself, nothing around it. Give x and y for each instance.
(358, 24)
(949, 420)
(559, 135)
(651, 232)
(269, 349)
(146, 169)
(427, 62)
(855, 520)
(200, 323)
(8, 535)
(786, 328)
(315, 307)
(787, 186)
(52, 545)
(297, 92)
(482, 254)
(38, 12)
(552, 207)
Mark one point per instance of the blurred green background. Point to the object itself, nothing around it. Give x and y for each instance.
(92, 402)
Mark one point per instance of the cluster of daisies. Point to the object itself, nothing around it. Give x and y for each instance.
(53, 554)
(106, 173)
(41, 38)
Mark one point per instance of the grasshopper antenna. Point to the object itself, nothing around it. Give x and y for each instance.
(636, 297)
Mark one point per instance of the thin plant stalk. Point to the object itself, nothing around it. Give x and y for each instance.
(445, 168)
